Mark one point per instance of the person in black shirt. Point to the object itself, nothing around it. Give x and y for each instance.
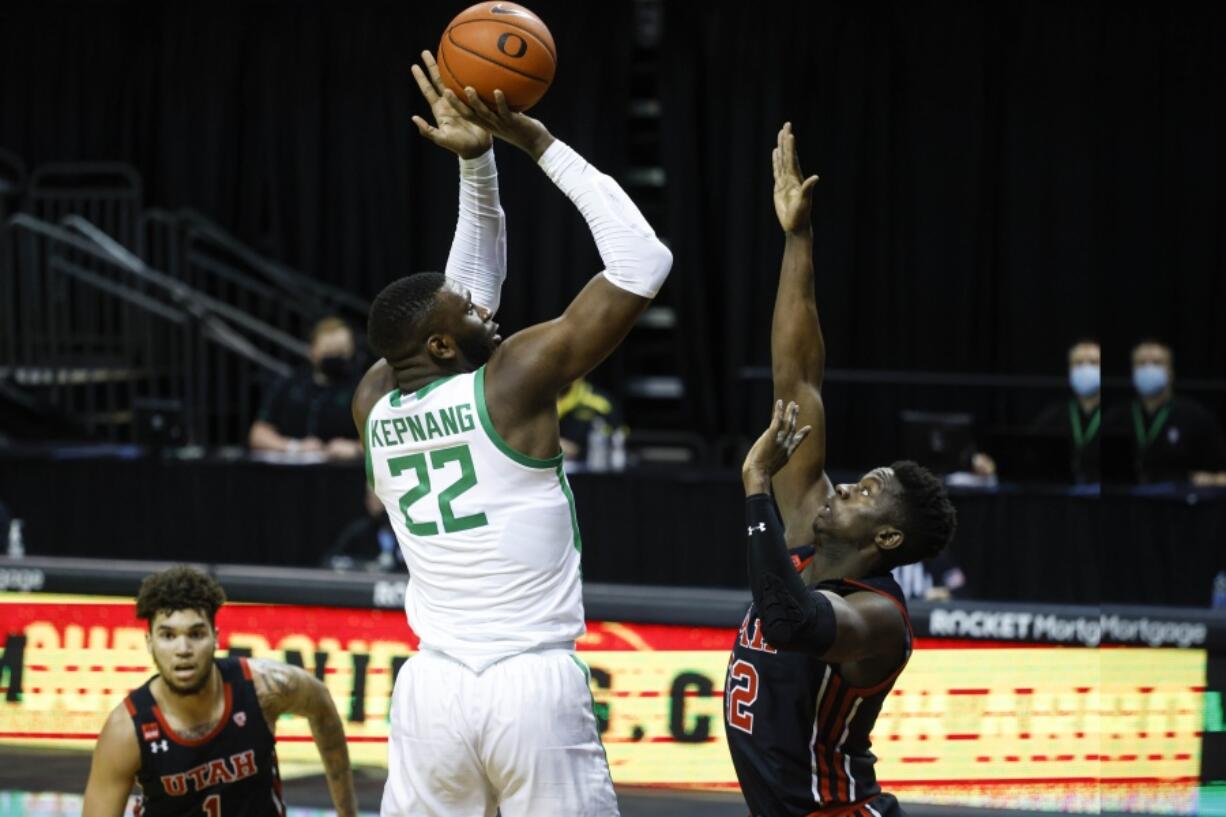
(199, 736)
(1079, 416)
(1170, 438)
(818, 650)
(310, 412)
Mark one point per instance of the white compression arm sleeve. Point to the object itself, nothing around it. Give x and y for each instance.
(634, 258)
(478, 258)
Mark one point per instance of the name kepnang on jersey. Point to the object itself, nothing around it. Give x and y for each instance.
(219, 770)
(423, 427)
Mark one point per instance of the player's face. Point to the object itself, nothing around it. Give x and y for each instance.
(472, 326)
(182, 643)
(855, 512)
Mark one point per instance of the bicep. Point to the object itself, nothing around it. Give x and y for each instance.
(115, 764)
(543, 359)
(866, 626)
(284, 688)
(378, 381)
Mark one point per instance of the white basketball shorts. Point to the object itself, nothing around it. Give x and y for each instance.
(519, 736)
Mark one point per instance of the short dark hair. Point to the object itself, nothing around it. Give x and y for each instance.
(179, 588)
(329, 324)
(1150, 340)
(397, 313)
(929, 519)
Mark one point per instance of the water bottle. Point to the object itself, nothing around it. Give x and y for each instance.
(1219, 591)
(17, 545)
(617, 456)
(598, 445)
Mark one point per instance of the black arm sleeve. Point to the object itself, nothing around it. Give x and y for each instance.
(793, 616)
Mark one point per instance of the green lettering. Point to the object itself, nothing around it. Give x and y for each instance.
(432, 426)
(419, 436)
(465, 415)
(401, 427)
(447, 415)
(373, 434)
(387, 430)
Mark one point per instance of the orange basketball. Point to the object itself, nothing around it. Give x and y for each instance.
(499, 46)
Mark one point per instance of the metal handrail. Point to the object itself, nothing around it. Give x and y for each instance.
(119, 254)
(289, 280)
(898, 377)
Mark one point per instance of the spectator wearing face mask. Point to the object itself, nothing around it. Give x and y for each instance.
(311, 412)
(1172, 438)
(1079, 416)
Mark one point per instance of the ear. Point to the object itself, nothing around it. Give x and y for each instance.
(888, 538)
(441, 347)
(149, 641)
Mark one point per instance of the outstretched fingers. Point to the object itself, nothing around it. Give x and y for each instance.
(427, 89)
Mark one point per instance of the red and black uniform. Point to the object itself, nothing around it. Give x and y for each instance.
(797, 730)
(231, 771)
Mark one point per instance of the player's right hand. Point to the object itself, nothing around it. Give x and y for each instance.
(466, 139)
(793, 192)
(521, 130)
(777, 444)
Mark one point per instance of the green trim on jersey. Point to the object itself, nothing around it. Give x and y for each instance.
(431, 386)
(395, 401)
(570, 500)
(501, 444)
(587, 676)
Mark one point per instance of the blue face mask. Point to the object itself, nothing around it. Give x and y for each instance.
(1085, 379)
(1149, 379)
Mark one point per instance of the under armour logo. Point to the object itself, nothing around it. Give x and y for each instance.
(760, 527)
(240, 718)
(159, 746)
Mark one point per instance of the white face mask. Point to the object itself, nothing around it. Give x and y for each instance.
(1149, 379)
(1085, 379)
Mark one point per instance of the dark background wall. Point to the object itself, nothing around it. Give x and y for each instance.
(997, 178)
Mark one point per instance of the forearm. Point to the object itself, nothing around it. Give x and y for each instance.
(265, 437)
(329, 737)
(798, 350)
(792, 616)
(478, 257)
(634, 259)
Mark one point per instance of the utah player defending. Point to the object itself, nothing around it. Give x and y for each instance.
(198, 737)
(819, 650)
(461, 434)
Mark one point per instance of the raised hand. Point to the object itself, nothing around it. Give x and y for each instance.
(518, 129)
(776, 445)
(466, 139)
(793, 192)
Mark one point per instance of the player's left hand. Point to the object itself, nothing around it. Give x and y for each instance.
(466, 139)
(793, 192)
(777, 444)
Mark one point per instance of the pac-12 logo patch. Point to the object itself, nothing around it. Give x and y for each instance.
(150, 731)
(240, 718)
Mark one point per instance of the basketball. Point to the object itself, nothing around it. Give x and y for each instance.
(498, 46)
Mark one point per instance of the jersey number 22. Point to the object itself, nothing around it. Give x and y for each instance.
(438, 461)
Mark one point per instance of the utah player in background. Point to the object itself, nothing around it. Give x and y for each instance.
(825, 638)
(199, 736)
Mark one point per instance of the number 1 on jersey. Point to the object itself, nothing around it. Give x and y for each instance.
(438, 461)
(212, 805)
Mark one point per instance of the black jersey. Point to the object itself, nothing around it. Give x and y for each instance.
(798, 732)
(231, 771)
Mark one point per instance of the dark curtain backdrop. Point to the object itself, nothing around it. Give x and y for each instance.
(289, 124)
(997, 177)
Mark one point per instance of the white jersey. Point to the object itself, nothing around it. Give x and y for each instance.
(489, 535)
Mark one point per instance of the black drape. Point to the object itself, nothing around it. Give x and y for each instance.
(997, 178)
(289, 124)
